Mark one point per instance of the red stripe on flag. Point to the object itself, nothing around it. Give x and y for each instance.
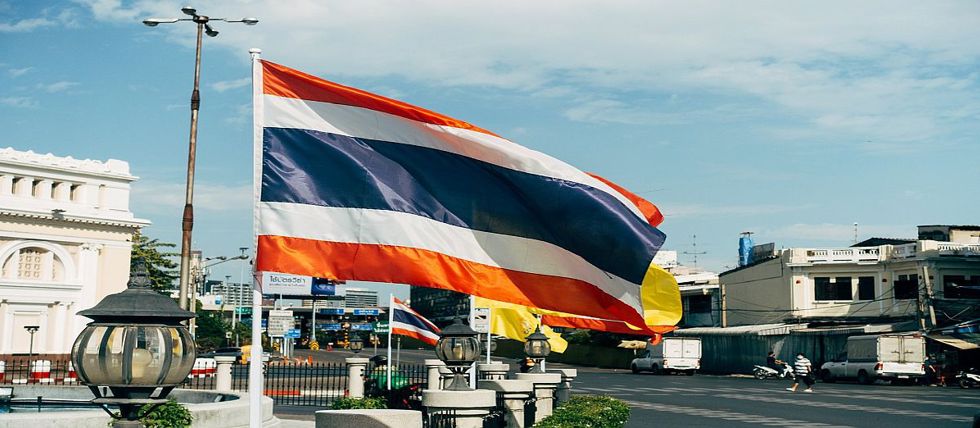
(404, 265)
(602, 325)
(415, 335)
(649, 210)
(286, 82)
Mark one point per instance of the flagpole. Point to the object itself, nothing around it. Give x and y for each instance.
(255, 382)
(391, 317)
(473, 364)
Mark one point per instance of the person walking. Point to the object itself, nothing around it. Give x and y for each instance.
(803, 372)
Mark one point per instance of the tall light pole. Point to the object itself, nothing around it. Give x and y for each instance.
(203, 27)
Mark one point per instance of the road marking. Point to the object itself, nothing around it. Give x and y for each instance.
(731, 416)
(852, 407)
(903, 400)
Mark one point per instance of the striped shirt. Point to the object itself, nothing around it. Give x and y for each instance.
(802, 367)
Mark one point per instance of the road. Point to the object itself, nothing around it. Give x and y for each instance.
(723, 401)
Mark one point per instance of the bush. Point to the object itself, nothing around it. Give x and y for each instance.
(359, 403)
(168, 415)
(588, 411)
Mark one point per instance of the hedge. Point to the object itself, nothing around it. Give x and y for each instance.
(588, 411)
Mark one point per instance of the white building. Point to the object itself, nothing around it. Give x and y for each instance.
(65, 243)
(699, 291)
(360, 298)
(897, 280)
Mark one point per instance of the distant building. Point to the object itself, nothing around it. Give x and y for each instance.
(232, 294)
(65, 241)
(918, 279)
(438, 305)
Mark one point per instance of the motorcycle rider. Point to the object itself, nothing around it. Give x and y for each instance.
(773, 363)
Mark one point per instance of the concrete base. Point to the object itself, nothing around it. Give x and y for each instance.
(494, 370)
(564, 391)
(469, 406)
(515, 392)
(369, 418)
(545, 385)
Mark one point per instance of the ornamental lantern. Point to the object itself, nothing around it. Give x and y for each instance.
(537, 348)
(458, 347)
(135, 346)
(357, 343)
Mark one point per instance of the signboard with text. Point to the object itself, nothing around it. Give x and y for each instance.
(366, 312)
(286, 284)
(481, 320)
(280, 322)
(331, 311)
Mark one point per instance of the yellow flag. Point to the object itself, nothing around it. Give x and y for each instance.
(517, 322)
(661, 297)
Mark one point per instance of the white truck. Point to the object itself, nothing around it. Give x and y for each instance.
(897, 358)
(672, 354)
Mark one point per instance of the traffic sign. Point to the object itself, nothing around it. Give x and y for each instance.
(243, 310)
(292, 333)
(366, 312)
(481, 320)
(330, 326)
(280, 322)
(381, 327)
(362, 327)
(332, 311)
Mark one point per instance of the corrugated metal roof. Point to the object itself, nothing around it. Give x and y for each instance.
(758, 329)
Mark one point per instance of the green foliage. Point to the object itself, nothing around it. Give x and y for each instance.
(210, 330)
(159, 261)
(588, 411)
(577, 337)
(168, 415)
(359, 403)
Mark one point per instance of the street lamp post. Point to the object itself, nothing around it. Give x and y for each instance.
(203, 27)
(537, 348)
(31, 329)
(458, 347)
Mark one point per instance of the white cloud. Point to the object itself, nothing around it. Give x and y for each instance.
(880, 71)
(226, 85)
(19, 102)
(55, 87)
(49, 18)
(155, 197)
(17, 72)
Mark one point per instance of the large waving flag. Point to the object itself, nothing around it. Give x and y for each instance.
(355, 186)
(407, 322)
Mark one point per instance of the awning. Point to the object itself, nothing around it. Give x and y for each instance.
(954, 342)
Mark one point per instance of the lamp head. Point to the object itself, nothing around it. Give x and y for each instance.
(250, 21)
(188, 10)
(153, 22)
(210, 31)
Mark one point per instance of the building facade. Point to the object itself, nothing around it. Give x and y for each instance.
(360, 298)
(936, 282)
(65, 241)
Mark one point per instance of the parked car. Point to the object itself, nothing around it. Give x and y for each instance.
(672, 354)
(897, 358)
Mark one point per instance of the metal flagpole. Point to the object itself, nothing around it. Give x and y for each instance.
(473, 364)
(391, 316)
(255, 381)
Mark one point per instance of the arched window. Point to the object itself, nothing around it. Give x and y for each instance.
(34, 264)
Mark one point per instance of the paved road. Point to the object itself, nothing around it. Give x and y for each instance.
(721, 401)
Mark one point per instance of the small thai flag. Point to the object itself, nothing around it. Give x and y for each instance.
(406, 322)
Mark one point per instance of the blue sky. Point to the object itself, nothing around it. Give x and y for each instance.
(790, 120)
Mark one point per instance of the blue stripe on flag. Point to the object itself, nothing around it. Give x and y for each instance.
(407, 318)
(318, 168)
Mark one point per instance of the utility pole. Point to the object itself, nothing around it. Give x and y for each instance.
(928, 300)
(724, 305)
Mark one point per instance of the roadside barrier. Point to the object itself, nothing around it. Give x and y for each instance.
(41, 371)
(204, 367)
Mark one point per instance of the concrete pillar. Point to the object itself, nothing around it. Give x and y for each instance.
(467, 407)
(446, 377)
(433, 375)
(222, 380)
(564, 391)
(515, 394)
(6, 184)
(492, 371)
(355, 376)
(544, 390)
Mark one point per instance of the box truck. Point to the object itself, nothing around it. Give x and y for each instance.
(672, 354)
(898, 358)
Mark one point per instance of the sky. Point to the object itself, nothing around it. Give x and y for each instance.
(791, 120)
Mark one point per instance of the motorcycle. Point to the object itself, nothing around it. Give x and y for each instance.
(968, 378)
(765, 372)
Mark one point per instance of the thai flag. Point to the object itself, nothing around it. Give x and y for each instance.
(406, 322)
(355, 186)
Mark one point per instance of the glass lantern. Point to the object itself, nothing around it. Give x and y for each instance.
(357, 343)
(537, 348)
(458, 347)
(135, 346)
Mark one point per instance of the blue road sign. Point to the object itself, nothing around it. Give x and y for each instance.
(292, 333)
(331, 311)
(366, 312)
(330, 327)
(323, 287)
(364, 327)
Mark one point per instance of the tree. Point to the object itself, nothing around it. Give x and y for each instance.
(159, 261)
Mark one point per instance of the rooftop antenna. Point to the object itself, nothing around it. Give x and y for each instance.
(855, 232)
(694, 250)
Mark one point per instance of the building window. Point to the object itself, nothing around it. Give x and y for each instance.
(74, 191)
(826, 288)
(699, 304)
(35, 188)
(907, 287)
(961, 287)
(866, 288)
